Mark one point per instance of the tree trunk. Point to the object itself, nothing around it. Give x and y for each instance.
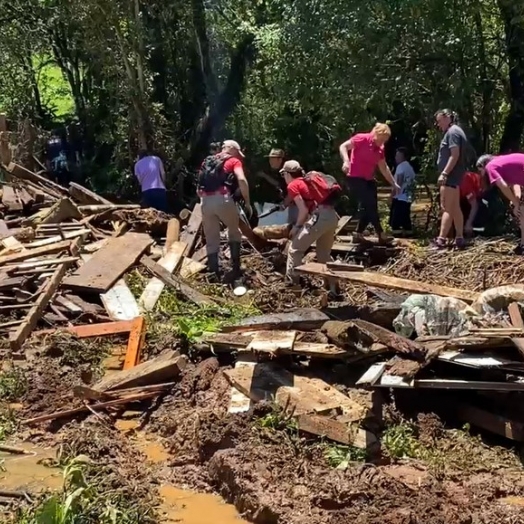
(511, 13)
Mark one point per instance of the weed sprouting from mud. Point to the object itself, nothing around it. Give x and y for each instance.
(277, 420)
(399, 441)
(7, 424)
(339, 456)
(13, 384)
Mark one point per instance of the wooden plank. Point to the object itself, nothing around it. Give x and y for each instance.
(272, 341)
(11, 245)
(135, 343)
(372, 374)
(517, 322)
(238, 402)
(170, 262)
(120, 302)
(94, 407)
(34, 253)
(160, 369)
(342, 223)
(61, 211)
(190, 235)
(101, 208)
(69, 235)
(19, 336)
(47, 185)
(300, 319)
(40, 263)
(10, 200)
(488, 421)
(337, 431)
(192, 294)
(371, 278)
(190, 268)
(85, 195)
(392, 381)
(108, 264)
(340, 266)
(25, 197)
(4, 230)
(93, 330)
(299, 394)
(172, 234)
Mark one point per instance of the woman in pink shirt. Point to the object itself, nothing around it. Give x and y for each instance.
(507, 173)
(361, 155)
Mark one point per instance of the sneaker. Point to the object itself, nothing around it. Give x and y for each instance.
(439, 243)
(460, 243)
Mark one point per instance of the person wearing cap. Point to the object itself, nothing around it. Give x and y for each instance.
(507, 173)
(216, 189)
(317, 221)
(361, 155)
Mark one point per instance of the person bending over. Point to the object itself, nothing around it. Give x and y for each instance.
(507, 173)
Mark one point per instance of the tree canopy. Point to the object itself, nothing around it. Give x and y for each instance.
(176, 75)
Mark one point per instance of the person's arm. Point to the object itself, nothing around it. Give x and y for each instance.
(517, 190)
(474, 203)
(303, 211)
(386, 173)
(242, 184)
(344, 150)
(269, 178)
(454, 144)
(507, 192)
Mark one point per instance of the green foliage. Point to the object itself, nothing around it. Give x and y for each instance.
(13, 384)
(400, 441)
(340, 457)
(7, 424)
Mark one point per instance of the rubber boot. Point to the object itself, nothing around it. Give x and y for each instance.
(213, 265)
(234, 248)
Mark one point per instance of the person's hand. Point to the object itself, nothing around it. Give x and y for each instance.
(442, 179)
(396, 188)
(294, 231)
(345, 167)
(516, 207)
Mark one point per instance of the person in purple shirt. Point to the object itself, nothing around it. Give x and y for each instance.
(150, 173)
(507, 173)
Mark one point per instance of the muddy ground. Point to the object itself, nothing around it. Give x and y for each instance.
(426, 474)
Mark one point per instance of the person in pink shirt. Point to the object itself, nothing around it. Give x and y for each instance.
(361, 155)
(507, 173)
(150, 173)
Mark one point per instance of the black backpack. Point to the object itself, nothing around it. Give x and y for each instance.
(212, 177)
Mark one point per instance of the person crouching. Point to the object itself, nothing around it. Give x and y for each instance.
(314, 195)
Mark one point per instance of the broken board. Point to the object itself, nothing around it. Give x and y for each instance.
(301, 395)
(108, 264)
(272, 341)
(301, 319)
(190, 235)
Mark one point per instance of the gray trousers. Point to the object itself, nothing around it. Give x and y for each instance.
(320, 228)
(215, 209)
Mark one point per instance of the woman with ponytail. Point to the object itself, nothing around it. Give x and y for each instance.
(452, 166)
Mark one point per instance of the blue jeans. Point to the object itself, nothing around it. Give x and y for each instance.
(155, 198)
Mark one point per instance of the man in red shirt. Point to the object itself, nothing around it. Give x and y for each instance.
(219, 176)
(470, 190)
(367, 153)
(317, 220)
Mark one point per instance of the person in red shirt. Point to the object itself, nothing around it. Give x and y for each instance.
(219, 176)
(470, 190)
(367, 153)
(317, 221)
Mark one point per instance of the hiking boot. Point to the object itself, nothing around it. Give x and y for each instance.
(384, 239)
(519, 250)
(439, 243)
(234, 248)
(213, 266)
(460, 243)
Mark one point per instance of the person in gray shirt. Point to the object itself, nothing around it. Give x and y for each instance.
(451, 164)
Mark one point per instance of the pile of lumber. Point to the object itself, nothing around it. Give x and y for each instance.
(64, 255)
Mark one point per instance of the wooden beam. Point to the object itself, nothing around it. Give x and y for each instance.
(517, 322)
(25, 174)
(135, 343)
(191, 294)
(19, 336)
(370, 278)
(87, 196)
(94, 330)
(69, 235)
(172, 234)
(35, 253)
(190, 235)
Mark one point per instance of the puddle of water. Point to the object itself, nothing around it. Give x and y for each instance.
(25, 472)
(187, 507)
(155, 452)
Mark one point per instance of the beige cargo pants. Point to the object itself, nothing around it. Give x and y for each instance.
(320, 228)
(215, 209)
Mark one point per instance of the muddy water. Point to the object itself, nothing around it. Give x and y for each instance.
(27, 473)
(186, 507)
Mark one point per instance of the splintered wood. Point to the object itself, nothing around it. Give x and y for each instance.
(272, 341)
(108, 264)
